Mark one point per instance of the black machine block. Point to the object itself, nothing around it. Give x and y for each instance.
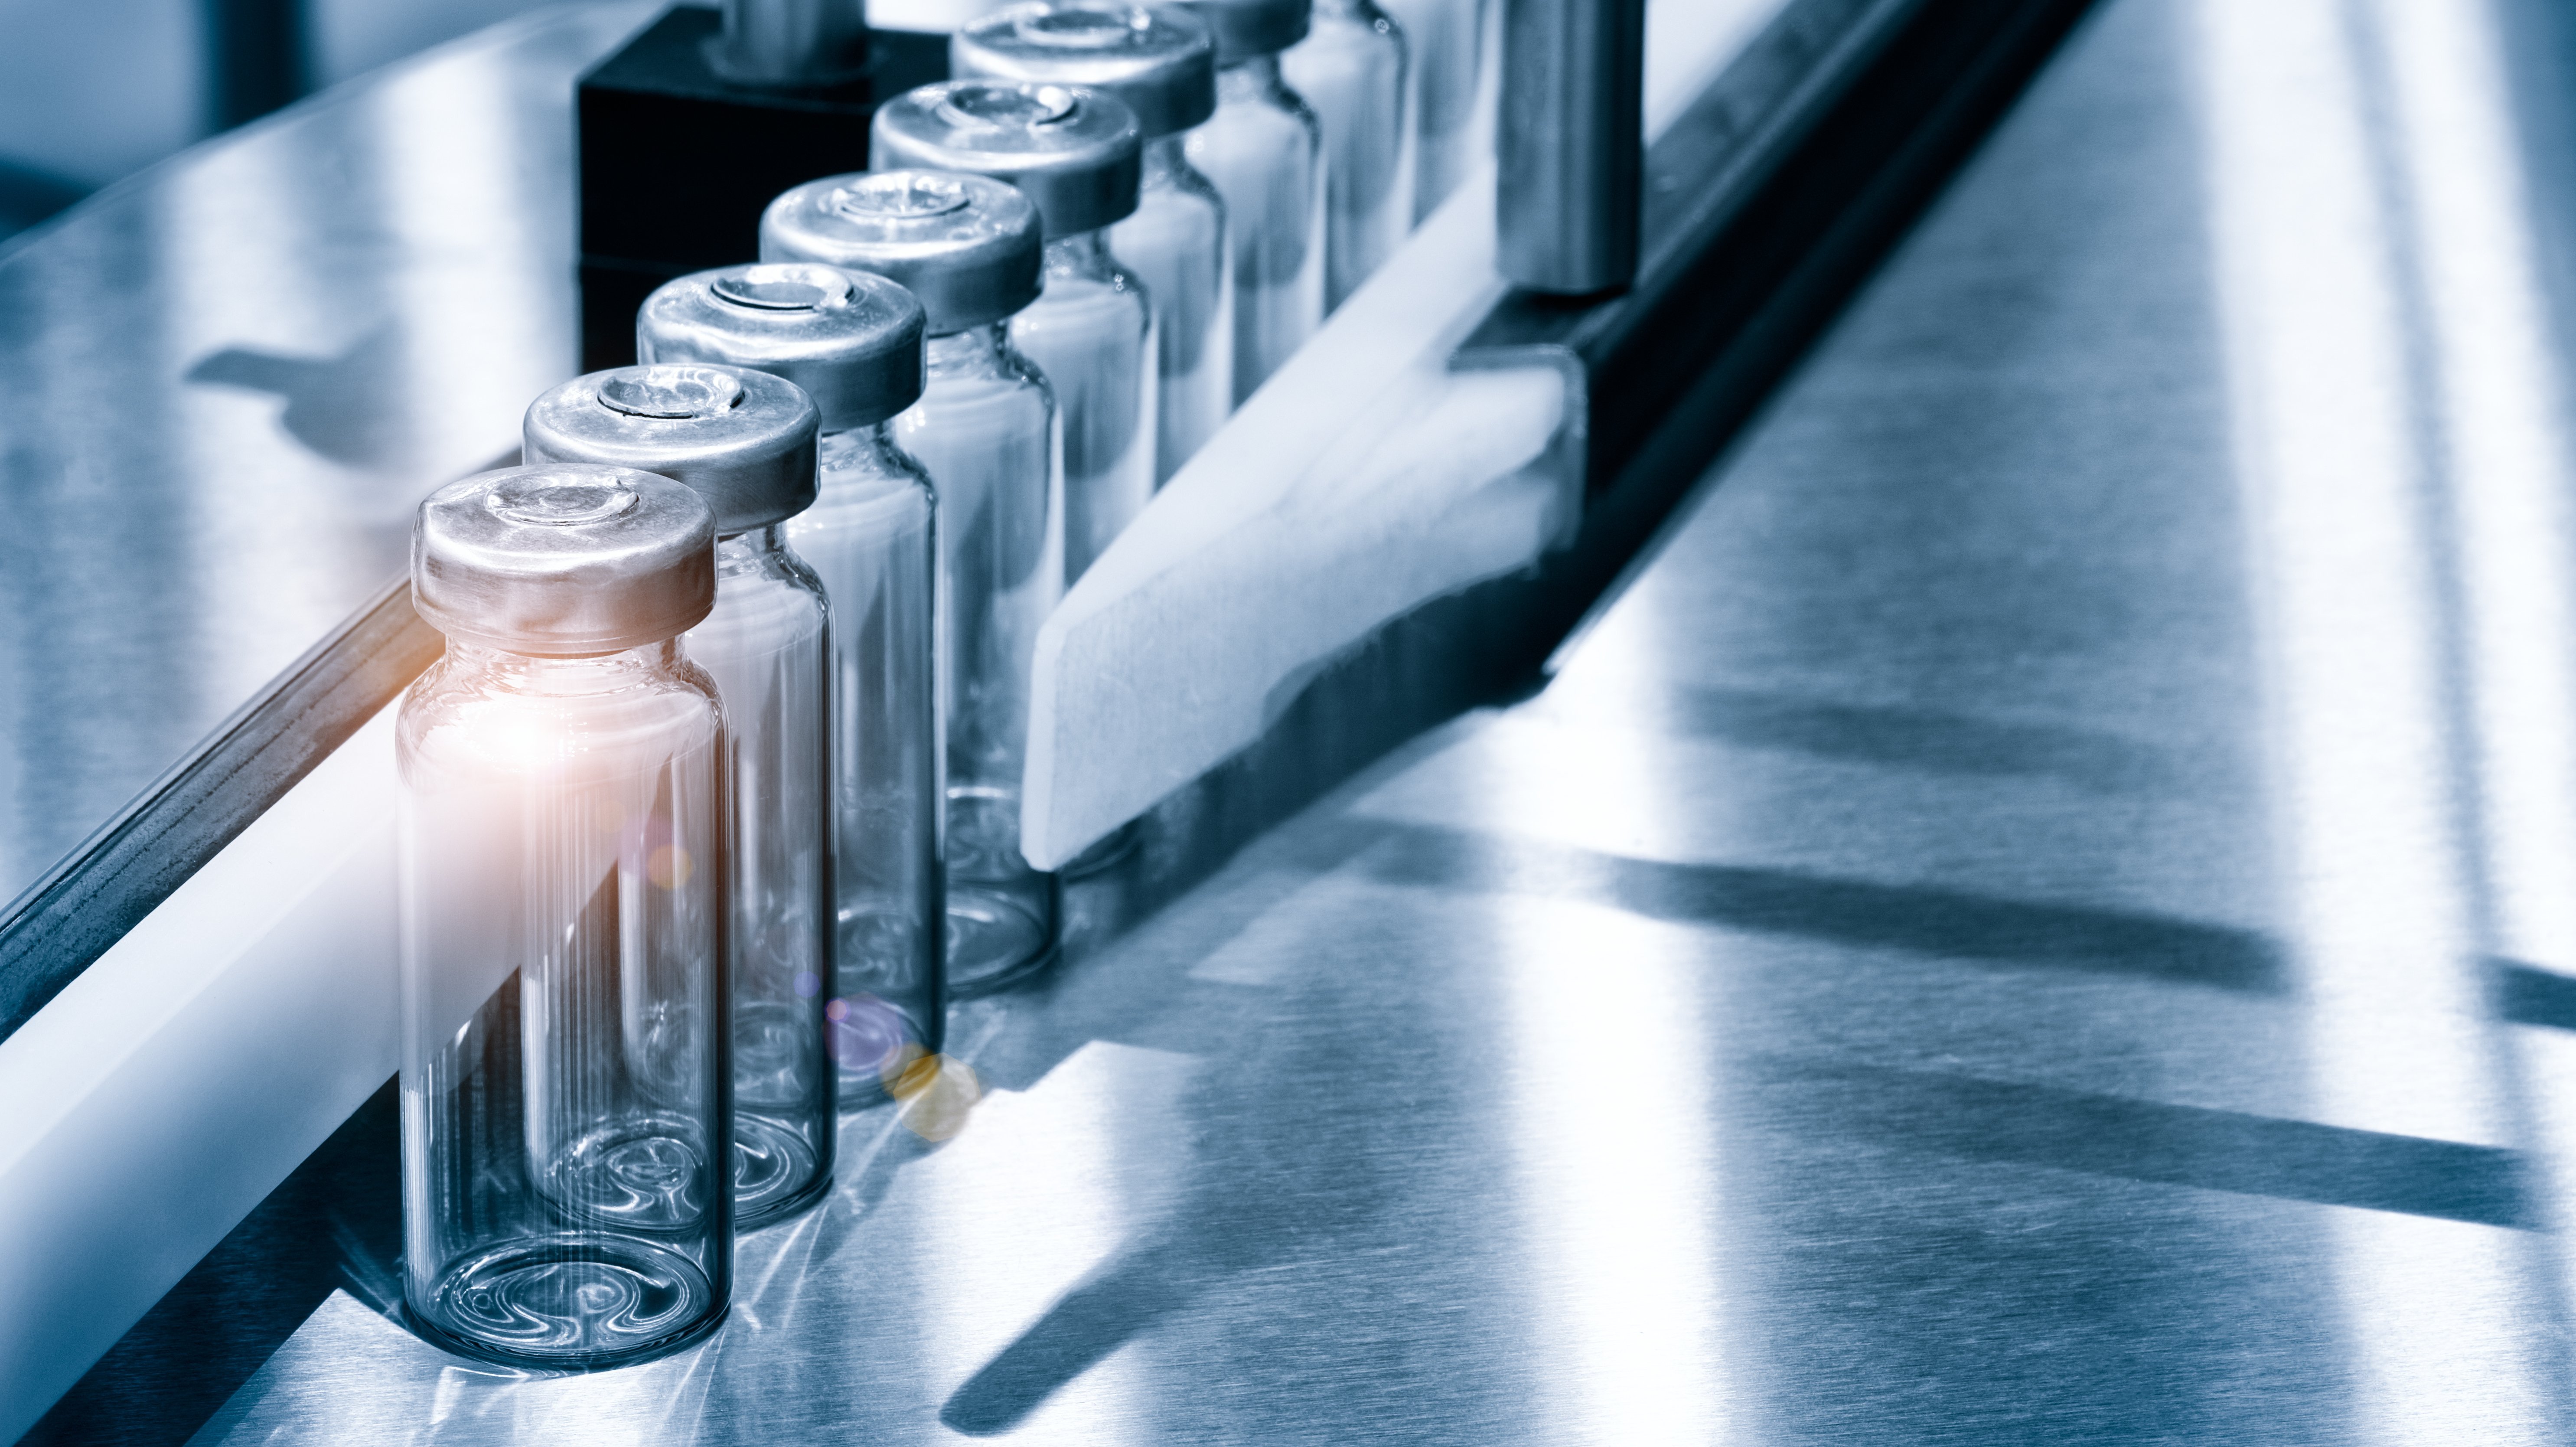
(677, 162)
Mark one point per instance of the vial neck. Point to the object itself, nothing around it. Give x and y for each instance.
(560, 677)
(858, 451)
(871, 434)
(1166, 160)
(1255, 77)
(740, 552)
(975, 346)
(1082, 251)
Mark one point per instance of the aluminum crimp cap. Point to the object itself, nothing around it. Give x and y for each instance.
(1249, 29)
(967, 246)
(851, 340)
(743, 439)
(1159, 60)
(563, 559)
(1077, 153)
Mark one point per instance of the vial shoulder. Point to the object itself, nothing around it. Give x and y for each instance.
(756, 613)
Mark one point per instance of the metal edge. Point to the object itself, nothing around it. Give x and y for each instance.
(103, 888)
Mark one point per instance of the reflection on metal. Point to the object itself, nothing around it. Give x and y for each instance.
(2401, 468)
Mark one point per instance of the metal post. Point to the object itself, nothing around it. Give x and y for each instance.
(255, 58)
(1572, 143)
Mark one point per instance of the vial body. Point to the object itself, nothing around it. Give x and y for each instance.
(767, 645)
(871, 537)
(1445, 44)
(1091, 333)
(1264, 150)
(1351, 70)
(1177, 242)
(986, 429)
(566, 1067)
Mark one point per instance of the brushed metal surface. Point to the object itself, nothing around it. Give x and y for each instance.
(225, 382)
(2042, 916)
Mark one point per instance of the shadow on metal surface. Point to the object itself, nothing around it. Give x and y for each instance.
(2184, 1145)
(1948, 923)
(336, 1224)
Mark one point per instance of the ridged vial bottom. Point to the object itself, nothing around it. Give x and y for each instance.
(570, 1301)
(775, 1170)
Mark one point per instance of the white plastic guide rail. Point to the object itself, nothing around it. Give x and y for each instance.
(1366, 478)
(164, 1093)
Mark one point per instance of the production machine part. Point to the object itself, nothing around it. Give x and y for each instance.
(969, 247)
(564, 1054)
(1161, 61)
(853, 341)
(1571, 150)
(745, 441)
(1264, 148)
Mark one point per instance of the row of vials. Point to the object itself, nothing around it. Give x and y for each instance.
(712, 803)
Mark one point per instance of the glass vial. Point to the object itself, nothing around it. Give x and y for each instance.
(1075, 153)
(744, 441)
(1161, 62)
(566, 1062)
(1351, 68)
(1264, 149)
(1445, 43)
(969, 248)
(853, 342)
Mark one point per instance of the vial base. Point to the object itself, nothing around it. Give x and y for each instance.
(999, 933)
(645, 1172)
(571, 1302)
(776, 1171)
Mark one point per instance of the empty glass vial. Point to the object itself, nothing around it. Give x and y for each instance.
(565, 1058)
(1076, 154)
(1351, 69)
(745, 442)
(968, 247)
(1264, 149)
(1161, 62)
(853, 342)
(1445, 43)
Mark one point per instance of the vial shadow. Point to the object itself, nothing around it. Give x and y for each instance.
(337, 407)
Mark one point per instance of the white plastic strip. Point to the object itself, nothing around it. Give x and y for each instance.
(1361, 481)
(164, 1093)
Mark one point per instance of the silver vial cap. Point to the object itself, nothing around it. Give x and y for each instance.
(743, 439)
(1246, 29)
(968, 247)
(1076, 153)
(1158, 60)
(563, 560)
(851, 340)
